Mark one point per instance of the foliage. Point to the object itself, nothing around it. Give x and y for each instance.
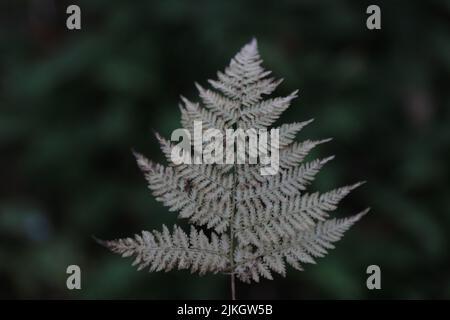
(72, 105)
(258, 222)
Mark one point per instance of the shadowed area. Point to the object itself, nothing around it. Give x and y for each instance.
(74, 104)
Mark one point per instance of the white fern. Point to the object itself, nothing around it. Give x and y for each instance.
(255, 224)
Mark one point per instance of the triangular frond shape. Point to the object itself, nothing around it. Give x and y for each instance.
(253, 224)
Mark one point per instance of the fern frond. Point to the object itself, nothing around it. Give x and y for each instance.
(164, 251)
(219, 104)
(302, 249)
(169, 188)
(256, 223)
(264, 114)
(289, 157)
(206, 179)
(191, 112)
(286, 218)
(288, 132)
(296, 153)
(286, 183)
(244, 79)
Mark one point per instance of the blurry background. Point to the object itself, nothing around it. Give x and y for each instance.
(74, 103)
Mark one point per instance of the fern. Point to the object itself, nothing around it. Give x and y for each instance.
(254, 224)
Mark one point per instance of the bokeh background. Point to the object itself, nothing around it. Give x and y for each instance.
(74, 103)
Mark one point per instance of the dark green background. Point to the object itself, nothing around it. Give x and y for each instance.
(74, 103)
